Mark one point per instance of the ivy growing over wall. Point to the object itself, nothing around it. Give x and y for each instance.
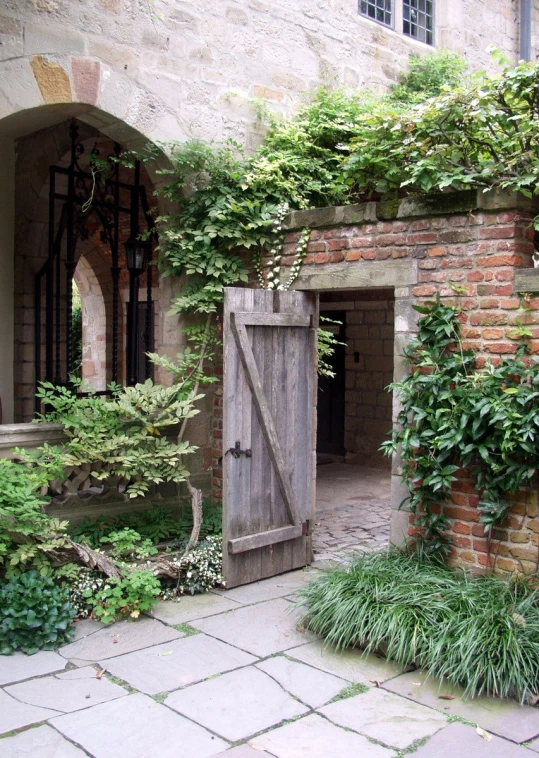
(454, 417)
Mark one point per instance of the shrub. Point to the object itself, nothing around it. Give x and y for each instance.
(130, 596)
(82, 603)
(35, 614)
(481, 633)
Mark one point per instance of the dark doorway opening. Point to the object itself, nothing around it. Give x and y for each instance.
(354, 418)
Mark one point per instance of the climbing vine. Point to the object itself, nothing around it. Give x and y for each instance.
(454, 417)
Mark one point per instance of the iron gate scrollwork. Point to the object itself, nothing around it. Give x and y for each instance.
(76, 195)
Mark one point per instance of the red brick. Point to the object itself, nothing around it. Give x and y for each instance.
(494, 289)
(368, 255)
(353, 255)
(426, 290)
(506, 218)
(437, 252)
(461, 513)
(388, 240)
(336, 257)
(422, 238)
(321, 258)
(361, 241)
(497, 233)
(504, 275)
(461, 527)
(492, 334)
(316, 247)
(419, 226)
(492, 261)
(503, 348)
(476, 276)
(337, 245)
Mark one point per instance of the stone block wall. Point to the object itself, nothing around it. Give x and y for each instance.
(185, 69)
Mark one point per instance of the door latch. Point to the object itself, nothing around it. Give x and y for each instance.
(236, 451)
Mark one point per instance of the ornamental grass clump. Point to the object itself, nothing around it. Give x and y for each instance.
(481, 633)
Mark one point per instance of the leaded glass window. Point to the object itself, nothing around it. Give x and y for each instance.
(418, 16)
(378, 10)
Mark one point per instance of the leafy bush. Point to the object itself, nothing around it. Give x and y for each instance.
(156, 525)
(481, 633)
(454, 417)
(429, 76)
(200, 570)
(35, 614)
(27, 534)
(127, 597)
(127, 544)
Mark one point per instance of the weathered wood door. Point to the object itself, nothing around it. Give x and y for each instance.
(269, 430)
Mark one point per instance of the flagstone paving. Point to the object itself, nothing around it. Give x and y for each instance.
(239, 678)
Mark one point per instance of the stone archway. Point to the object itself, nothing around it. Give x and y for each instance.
(37, 92)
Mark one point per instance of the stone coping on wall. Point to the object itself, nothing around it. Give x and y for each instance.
(29, 436)
(436, 204)
(527, 280)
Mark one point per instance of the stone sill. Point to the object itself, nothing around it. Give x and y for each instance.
(527, 280)
(29, 435)
(441, 204)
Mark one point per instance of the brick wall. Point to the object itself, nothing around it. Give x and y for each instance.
(479, 244)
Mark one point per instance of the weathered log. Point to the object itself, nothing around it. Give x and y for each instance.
(72, 552)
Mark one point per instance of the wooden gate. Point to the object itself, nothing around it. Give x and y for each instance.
(269, 429)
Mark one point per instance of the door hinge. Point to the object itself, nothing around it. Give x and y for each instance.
(306, 528)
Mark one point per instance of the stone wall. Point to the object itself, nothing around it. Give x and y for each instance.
(195, 67)
(484, 245)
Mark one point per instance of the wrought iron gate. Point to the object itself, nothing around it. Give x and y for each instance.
(76, 195)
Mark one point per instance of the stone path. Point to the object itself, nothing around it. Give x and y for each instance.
(353, 509)
(231, 674)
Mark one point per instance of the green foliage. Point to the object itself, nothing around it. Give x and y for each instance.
(35, 614)
(77, 586)
(480, 135)
(127, 597)
(428, 76)
(127, 544)
(327, 342)
(27, 534)
(482, 633)
(156, 525)
(454, 417)
(76, 330)
(125, 435)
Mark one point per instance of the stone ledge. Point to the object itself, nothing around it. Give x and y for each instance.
(29, 435)
(436, 204)
(527, 280)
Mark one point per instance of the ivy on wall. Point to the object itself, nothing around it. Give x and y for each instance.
(454, 417)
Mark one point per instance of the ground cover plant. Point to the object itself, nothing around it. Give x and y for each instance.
(35, 614)
(479, 633)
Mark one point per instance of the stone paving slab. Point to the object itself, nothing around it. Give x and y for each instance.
(41, 742)
(461, 740)
(67, 692)
(166, 667)
(118, 639)
(386, 718)
(236, 705)
(19, 666)
(518, 723)
(310, 685)
(534, 746)
(137, 727)
(86, 627)
(191, 607)
(269, 589)
(262, 629)
(242, 751)
(15, 715)
(315, 737)
(350, 664)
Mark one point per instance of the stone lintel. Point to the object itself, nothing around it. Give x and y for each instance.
(435, 204)
(527, 280)
(355, 275)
